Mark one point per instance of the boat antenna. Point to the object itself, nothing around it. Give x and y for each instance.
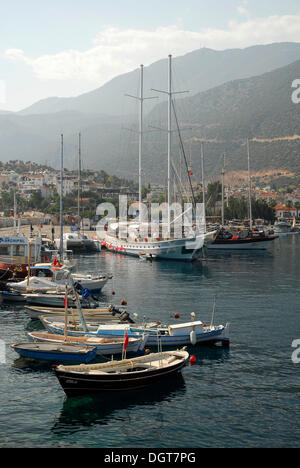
(78, 305)
(61, 246)
(159, 346)
(213, 312)
(223, 185)
(79, 178)
(66, 313)
(15, 213)
(250, 186)
(203, 187)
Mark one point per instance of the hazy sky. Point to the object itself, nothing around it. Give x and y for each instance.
(67, 47)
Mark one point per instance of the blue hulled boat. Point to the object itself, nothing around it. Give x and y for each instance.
(55, 352)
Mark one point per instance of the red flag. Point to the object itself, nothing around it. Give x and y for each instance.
(126, 341)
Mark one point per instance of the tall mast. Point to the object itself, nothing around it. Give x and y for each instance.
(250, 185)
(61, 247)
(141, 100)
(223, 185)
(203, 186)
(170, 94)
(15, 213)
(79, 177)
(141, 137)
(169, 139)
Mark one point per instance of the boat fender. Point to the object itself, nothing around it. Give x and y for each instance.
(124, 316)
(193, 337)
(123, 302)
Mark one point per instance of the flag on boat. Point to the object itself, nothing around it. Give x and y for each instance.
(126, 341)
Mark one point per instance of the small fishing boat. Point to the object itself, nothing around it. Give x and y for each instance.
(118, 376)
(52, 300)
(104, 346)
(12, 296)
(43, 278)
(62, 352)
(95, 283)
(108, 314)
(191, 333)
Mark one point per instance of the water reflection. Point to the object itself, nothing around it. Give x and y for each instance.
(102, 408)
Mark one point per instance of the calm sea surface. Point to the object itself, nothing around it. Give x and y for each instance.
(244, 396)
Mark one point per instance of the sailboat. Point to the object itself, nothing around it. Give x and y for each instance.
(157, 246)
(77, 241)
(241, 240)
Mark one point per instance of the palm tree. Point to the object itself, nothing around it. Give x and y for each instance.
(297, 206)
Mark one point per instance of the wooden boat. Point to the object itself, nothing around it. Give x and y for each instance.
(108, 314)
(54, 278)
(242, 241)
(62, 352)
(104, 346)
(12, 296)
(51, 299)
(118, 376)
(190, 333)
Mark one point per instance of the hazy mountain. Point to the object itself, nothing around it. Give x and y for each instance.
(195, 72)
(224, 116)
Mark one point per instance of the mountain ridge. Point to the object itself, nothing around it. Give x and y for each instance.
(200, 70)
(258, 107)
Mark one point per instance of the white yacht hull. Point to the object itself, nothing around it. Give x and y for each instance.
(43, 285)
(174, 249)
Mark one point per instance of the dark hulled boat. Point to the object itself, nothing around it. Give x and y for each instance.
(128, 374)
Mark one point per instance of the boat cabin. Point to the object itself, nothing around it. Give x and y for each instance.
(18, 248)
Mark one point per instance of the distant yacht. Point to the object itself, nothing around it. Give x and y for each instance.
(282, 226)
(78, 242)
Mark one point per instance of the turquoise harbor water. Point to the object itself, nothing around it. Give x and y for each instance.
(244, 396)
